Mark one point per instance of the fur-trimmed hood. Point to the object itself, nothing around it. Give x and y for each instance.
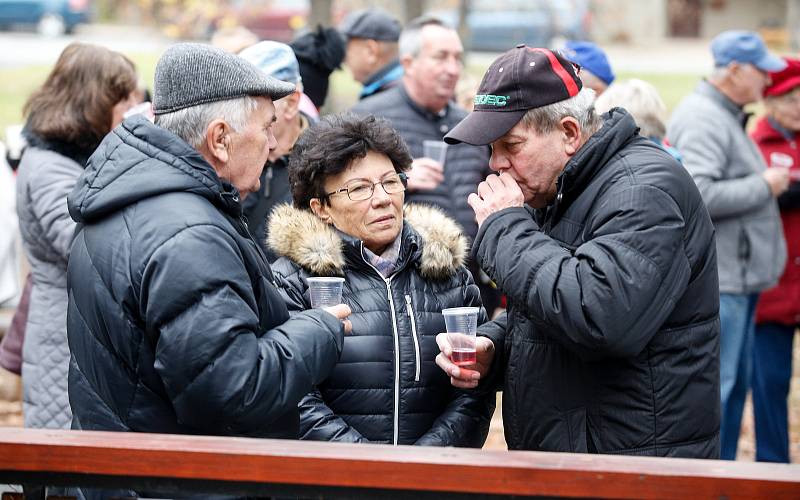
(318, 248)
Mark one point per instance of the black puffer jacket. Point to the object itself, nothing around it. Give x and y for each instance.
(465, 166)
(386, 387)
(174, 324)
(611, 341)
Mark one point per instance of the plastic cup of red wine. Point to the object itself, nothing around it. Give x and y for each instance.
(461, 324)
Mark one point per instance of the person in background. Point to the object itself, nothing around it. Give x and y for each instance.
(777, 134)
(606, 255)
(233, 39)
(9, 234)
(82, 99)
(401, 267)
(371, 54)
(708, 128)
(596, 72)
(421, 108)
(318, 53)
(641, 100)
(278, 61)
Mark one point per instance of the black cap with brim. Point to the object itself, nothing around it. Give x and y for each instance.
(522, 78)
(480, 128)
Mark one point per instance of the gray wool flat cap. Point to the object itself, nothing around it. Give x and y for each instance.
(189, 74)
(372, 24)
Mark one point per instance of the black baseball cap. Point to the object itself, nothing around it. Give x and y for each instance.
(371, 24)
(521, 79)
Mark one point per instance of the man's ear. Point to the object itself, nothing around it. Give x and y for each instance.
(572, 134)
(373, 51)
(218, 137)
(320, 210)
(406, 61)
(292, 105)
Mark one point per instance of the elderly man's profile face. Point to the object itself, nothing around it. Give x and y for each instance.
(249, 148)
(534, 160)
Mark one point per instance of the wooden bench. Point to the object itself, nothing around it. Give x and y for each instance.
(243, 466)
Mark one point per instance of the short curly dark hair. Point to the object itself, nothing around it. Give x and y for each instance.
(330, 146)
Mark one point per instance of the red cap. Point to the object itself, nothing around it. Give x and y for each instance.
(786, 80)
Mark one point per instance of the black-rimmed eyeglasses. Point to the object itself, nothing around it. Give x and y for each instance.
(362, 189)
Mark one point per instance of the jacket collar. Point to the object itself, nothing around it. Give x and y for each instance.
(138, 160)
(430, 240)
(384, 77)
(617, 130)
(76, 152)
(425, 113)
(768, 130)
(705, 88)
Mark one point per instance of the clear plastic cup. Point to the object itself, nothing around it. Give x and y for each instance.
(462, 324)
(325, 291)
(435, 150)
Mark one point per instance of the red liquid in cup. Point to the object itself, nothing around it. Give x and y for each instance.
(463, 356)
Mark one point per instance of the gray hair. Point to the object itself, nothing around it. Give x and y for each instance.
(410, 42)
(581, 107)
(641, 100)
(718, 73)
(190, 123)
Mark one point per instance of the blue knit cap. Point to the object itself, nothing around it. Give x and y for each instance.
(590, 57)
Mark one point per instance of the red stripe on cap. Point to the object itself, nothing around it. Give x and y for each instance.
(572, 87)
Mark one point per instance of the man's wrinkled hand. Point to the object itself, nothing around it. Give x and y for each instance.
(496, 193)
(341, 311)
(465, 376)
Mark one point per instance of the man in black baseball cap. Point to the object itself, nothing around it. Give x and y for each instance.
(372, 50)
(605, 251)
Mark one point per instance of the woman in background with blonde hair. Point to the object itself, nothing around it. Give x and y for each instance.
(641, 100)
(83, 98)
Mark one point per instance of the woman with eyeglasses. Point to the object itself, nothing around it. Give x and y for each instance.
(401, 267)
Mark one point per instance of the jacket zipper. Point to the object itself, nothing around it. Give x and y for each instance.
(396, 415)
(414, 336)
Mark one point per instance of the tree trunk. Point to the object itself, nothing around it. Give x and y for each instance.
(793, 23)
(464, 8)
(320, 13)
(414, 9)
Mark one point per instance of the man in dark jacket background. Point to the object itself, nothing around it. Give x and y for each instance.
(174, 322)
(371, 54)
(606, 253)
(421, 108)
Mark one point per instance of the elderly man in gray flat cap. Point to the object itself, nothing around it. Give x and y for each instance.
(174, 321)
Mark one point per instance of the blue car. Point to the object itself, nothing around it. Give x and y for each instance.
(48, 17)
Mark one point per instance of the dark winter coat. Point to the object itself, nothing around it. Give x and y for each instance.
(174, 324)
(386, 387)
(465, 166)
(611, 340)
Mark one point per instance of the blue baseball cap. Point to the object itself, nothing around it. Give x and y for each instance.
(744, 47)
(591, 58)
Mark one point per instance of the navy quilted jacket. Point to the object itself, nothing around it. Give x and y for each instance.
(386, 387)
